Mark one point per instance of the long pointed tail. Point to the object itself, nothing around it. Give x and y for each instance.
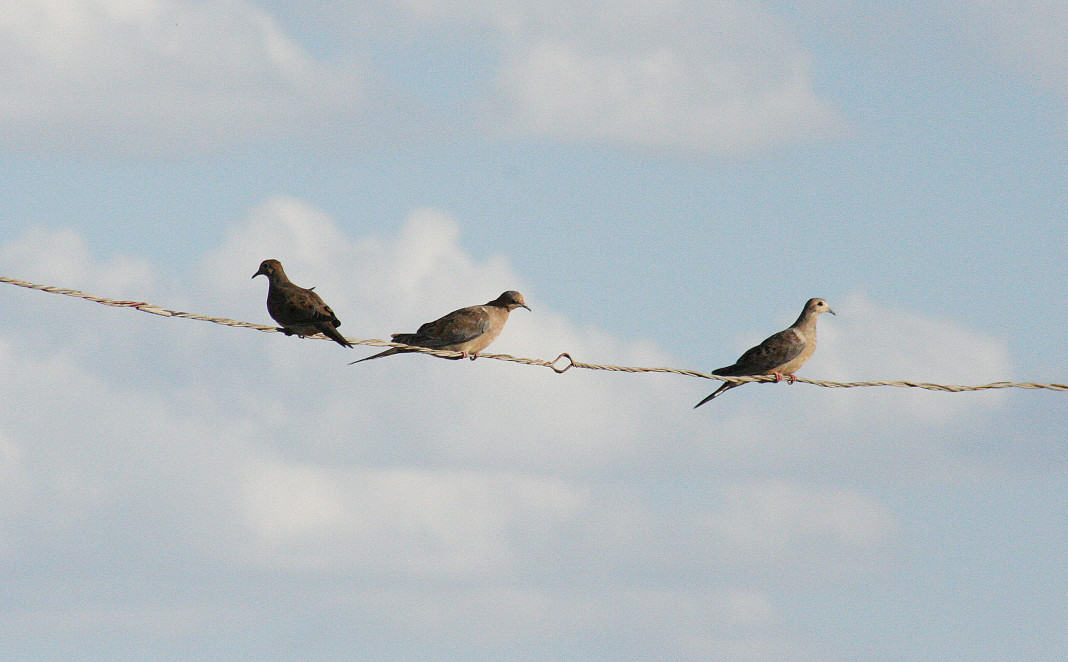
(725, 386)
(388, 352)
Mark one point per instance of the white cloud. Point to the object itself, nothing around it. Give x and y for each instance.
(387, 287)
(692, 76)
(660, 98)
(92, 452)
(868, 341)
(416, 522)
(64, 256)
(118, 75)
(815, 530)
(381, 288)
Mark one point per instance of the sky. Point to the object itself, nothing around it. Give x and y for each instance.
(666, 183)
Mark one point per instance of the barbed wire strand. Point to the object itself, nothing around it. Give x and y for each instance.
(556, 364)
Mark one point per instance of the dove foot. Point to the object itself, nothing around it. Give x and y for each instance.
(790, 379)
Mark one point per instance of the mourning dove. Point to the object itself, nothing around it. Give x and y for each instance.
(467, 330)
(781, 355)
(298, 310)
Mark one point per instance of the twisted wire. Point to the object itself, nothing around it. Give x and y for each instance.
(560, 364)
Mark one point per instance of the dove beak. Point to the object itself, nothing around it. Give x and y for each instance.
(832, 312)
(525, 306)
(258, 273)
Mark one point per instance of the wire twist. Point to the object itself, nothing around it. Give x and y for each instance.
(553, 365)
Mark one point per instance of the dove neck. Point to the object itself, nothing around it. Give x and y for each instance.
(806, 322)
(279, 278)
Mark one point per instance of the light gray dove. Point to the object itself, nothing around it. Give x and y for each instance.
(298, 310)
(467, 330)
(781, 354)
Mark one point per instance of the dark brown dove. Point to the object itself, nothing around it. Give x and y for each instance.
(467, 330)
(298, 310)
(781, 355)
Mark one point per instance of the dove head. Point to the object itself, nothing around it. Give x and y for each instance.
(817, 307)
(510, 300)
(271, 269)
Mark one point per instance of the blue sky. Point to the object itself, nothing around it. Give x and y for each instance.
(666, 183)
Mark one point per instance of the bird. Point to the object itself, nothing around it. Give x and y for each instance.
(467, 330)
(297, 309)
(781, 354)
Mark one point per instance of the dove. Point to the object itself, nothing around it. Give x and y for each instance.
(467, 330)
(298, 310)
(781, 354)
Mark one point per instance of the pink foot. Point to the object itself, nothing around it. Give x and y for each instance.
(778, 377)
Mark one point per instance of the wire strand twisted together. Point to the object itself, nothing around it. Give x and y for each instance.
(553, 365)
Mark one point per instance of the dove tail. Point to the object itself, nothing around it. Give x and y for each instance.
(716, 393)
(331, 333)
(388, 352)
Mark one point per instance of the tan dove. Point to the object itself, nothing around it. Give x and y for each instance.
(298, 310)
(781, 355)
(467, 330)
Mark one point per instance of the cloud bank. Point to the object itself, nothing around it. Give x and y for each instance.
(722, 77)
(117, 77)
(135, 77)
(472, 506)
